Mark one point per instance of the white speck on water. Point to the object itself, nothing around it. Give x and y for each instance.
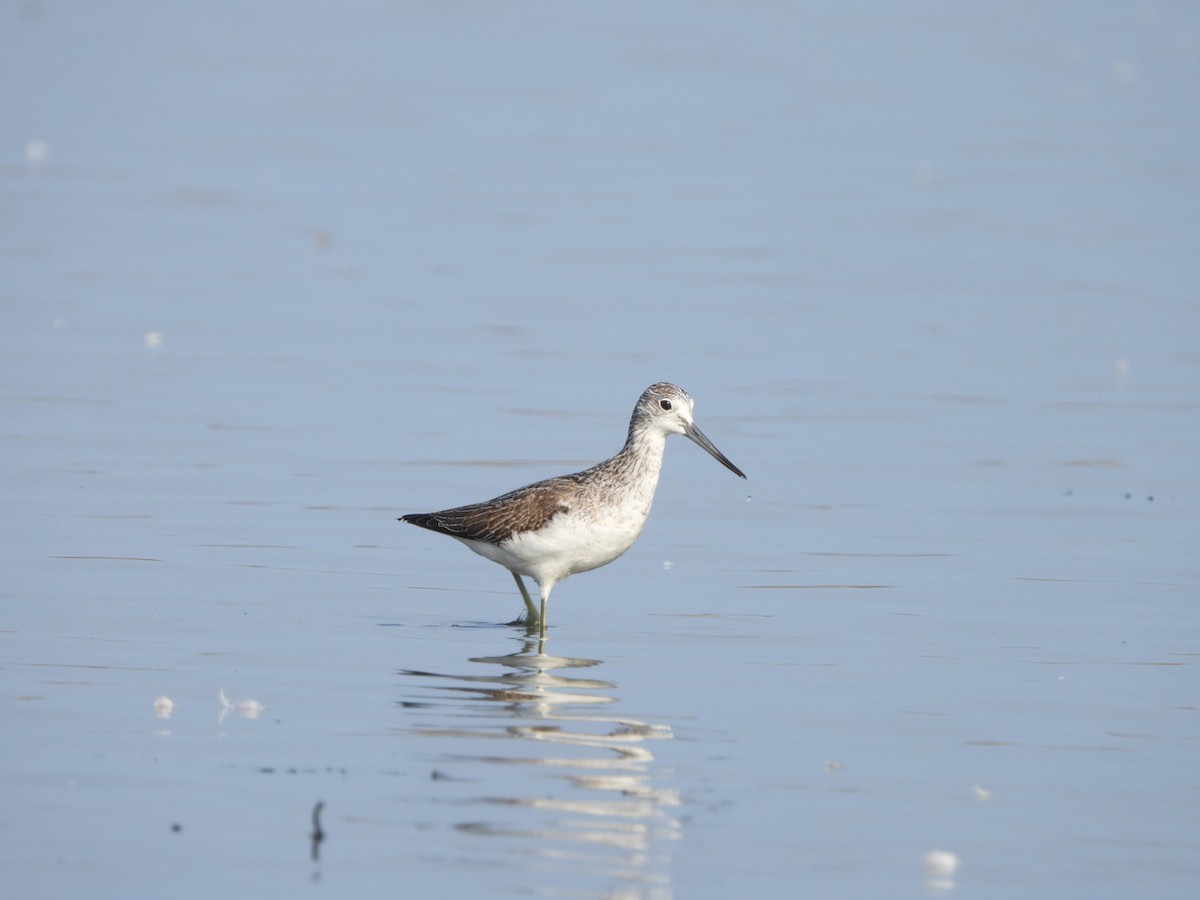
(37, 152)
(939, 867)
(1126, 72)
(247, 709)
(940, 862)
(1122, 373)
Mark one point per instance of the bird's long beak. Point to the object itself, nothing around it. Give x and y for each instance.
(698, 436)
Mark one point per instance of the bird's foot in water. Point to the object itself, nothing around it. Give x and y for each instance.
(526, 621)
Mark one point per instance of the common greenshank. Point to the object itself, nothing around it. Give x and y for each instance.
(574, 523)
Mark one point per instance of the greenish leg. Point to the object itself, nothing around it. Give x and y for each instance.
(531, 613)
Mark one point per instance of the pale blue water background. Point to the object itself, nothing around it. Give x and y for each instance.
(277, 273)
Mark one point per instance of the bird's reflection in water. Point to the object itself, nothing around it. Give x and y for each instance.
(602, 810)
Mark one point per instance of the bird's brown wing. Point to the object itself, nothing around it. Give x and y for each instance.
(525, 509)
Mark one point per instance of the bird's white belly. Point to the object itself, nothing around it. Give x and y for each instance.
(565, 545)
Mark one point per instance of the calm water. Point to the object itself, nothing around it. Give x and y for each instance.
(274, 275)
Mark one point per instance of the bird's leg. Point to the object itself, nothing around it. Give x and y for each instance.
(542, 618)
(531, 613)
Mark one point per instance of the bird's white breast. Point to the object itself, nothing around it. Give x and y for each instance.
(569, 543)
(601, 523)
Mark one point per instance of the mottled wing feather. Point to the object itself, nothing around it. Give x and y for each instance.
(525, 509)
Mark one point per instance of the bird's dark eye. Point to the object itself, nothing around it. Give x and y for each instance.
(664, 404)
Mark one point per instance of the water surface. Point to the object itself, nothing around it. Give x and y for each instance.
(276, 275)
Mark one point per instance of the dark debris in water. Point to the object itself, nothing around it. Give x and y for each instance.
(297, 770)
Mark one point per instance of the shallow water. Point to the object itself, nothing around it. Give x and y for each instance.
(276, 276)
